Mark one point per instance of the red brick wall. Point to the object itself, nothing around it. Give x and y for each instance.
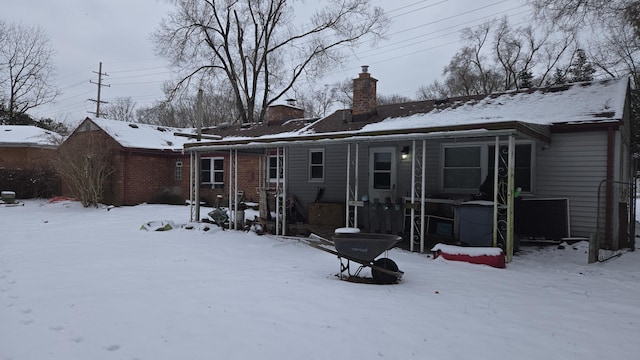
(26, 157)
(248, 178)
(279, 113)
(147, 177)
(364, 94)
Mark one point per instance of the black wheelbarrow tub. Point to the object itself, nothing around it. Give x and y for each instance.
(364, 246)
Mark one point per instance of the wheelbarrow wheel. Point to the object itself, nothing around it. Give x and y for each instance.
(381, 277)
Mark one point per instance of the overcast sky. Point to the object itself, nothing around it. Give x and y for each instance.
(423, 37)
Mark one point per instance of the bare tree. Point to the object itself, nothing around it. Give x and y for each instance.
(84, 164)
(497, 57)
(26, 68)
(523, 51)
(122, 109)
(611, 29)
(258, 47)
(316, 102)
(572, 14)
(181, 111)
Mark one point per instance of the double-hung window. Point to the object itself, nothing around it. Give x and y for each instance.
(465, 166)
(462, 167)
(212, 172)
(316, 165)
(275, 168)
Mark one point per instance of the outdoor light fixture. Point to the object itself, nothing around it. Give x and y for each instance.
(404, 153)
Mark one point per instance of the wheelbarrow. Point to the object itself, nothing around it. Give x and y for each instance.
(363, 249)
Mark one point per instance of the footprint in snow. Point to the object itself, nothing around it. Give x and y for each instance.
(56, 328)
(77, 339)
(25, 311)
(27, 322)
(113, 347)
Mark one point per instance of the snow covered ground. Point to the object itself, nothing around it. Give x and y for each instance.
(80, 283)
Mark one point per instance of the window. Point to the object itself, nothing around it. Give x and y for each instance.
(178, 170)
(275, 162)
(462, 167)
(522, 170)
(212, 172)
(316, 165)
(466, 166)
(382, 170)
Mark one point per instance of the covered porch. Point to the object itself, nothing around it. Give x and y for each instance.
(386, 179)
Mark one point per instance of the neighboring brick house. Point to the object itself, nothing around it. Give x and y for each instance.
(26, 147)
(147, 161)
(26, 154)
(149, 164)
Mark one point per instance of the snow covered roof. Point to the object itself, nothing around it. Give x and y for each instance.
(531, 110)
(143, 136)
(26, 136)
(588, 102)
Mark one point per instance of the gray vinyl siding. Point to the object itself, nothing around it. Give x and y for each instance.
(334, 183)
(573, 167)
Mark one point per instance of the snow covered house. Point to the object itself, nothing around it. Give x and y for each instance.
(378, 168)
(26, 153)
(23, 147)
(146, 160)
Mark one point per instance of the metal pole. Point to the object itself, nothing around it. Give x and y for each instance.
(495, 191)
(422, 195)
(510, 197)
(355, 195)
(412, 212)
(284, 190)
(230, 206)
(346, 216)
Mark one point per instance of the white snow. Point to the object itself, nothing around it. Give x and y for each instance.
(143, 136)
(21, 135)
(86, 283)
(581, 102)
(470, 251)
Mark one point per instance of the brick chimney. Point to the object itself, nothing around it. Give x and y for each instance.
(364, 95)
(282, 113)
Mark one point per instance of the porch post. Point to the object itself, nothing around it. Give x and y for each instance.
(417, 221)
(194, 186)
(503, 196)
(230, 199)
(355, 191)
(422, 195)
(510, 197)
(352, 191)
(348, 199)
(284, 191)
(277, 190)
(496, 212)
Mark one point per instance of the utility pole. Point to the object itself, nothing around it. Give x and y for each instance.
(100, 85)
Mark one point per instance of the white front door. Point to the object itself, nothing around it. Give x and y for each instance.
(382, 174)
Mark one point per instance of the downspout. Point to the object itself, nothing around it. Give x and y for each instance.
(609, 193)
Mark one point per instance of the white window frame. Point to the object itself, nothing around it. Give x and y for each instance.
(312, 165)
(484, 168)
(269, 168)
(213, 183)
(178, 170)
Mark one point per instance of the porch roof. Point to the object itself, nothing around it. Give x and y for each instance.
(525, 130)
